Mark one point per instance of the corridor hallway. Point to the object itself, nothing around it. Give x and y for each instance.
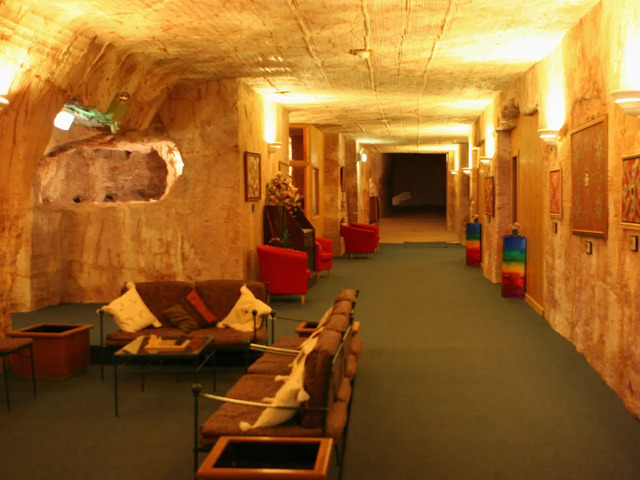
(423, 224)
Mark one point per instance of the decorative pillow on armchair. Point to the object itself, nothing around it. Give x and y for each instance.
(129, 311)
(241, 317)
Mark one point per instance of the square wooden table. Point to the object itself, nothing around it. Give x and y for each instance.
(267, 458)
(139, 350)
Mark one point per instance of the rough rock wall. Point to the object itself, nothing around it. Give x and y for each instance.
(592, 300)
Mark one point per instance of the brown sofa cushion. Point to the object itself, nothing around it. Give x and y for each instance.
(317, 370)
(351, 367)
(158, 296)
(356, 346)
(221, 295)
(272, 364)
(337, 419)
(226, 420)
(343, 306)
(347, 294)
(338, 322)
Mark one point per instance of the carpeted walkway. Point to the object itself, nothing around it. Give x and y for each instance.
(455, 383)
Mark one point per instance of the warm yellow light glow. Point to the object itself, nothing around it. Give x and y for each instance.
(549, 136)
(452, 129)
(270, 121)
(292, 98)
(10, 63)
(630, 67)
(63, 120)
(513, 46)
(177, 162)
(489, 141)
(554, 102)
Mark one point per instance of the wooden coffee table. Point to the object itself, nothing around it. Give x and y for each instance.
(144, 352)
(267, 458)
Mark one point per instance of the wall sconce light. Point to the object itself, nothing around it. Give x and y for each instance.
(453, 172)
(274, 146)
(548, 135)
(361, 52)
(629, 101)
(466, 171)
(363, 158)
(64, 120)
(485, 160)
(3, 102)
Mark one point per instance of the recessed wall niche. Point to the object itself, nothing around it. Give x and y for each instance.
(108, 168)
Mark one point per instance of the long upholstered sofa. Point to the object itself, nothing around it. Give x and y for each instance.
(307, 382)
(220, 297)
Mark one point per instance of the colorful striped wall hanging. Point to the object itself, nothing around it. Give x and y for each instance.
(474, 244)
(514, 254)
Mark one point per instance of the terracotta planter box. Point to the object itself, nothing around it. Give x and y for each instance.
(59, 350)
(267, 458)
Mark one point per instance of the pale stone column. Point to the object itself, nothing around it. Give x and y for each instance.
(333, 191)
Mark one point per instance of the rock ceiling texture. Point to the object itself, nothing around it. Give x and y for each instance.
(434, 64)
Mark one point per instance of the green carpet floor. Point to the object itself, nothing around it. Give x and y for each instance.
(455, 383)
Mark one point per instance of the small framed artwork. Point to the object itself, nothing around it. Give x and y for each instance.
(631, 191)
(489, 196)
(555, 193)
(252, 177)
(589, 179)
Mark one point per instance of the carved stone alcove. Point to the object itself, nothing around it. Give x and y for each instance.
(108, 168)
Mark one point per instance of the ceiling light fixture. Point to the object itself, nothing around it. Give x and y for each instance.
(361, 52)
(629, 101)
(64, 120)
(549, 136)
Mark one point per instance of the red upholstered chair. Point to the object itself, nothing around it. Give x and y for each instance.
(324, 255)
(369, 226)
(283, 270)
(358, 240)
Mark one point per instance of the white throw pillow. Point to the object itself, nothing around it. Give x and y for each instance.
(241, 317)
(130, 313)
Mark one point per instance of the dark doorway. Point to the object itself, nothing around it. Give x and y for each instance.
(417, 182)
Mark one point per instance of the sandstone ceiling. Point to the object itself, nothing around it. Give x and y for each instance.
(433, 68)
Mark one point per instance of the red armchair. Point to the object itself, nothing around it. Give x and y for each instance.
(324, 255)
(369, 226)
(283, 270)
(358, 240)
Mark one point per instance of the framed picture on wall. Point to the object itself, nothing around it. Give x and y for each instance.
(489, 196)
(555, 193)
(252, 177)
(589, 179)
(631, 191)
